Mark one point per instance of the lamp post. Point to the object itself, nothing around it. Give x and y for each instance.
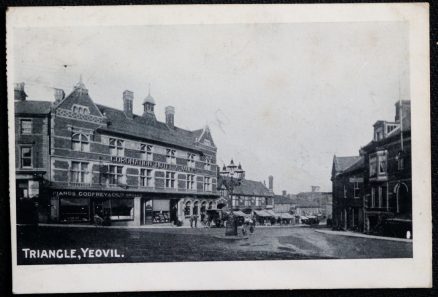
(230, 182)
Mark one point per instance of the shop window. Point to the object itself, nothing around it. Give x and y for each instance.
(122, 209)
(170, 180)
(80, 143)
(79, 172)
(74, 209)
(356, 190)
(191, 160)
(187, 208)
(26, 126)
(146, 178)
(115, 175)
(26, 157)
(207, 184)
(170, 156)
(146, 152)
(190, 181)
(116, 147)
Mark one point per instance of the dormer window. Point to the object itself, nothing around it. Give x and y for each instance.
(80, 109)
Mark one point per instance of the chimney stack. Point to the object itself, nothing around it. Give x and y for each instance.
(284, 193)
(19, 93)
(315, 188)
(271, 183)
(170, 116)
(128, 99)
(59, 95)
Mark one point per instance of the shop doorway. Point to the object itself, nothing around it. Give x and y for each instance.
(174, 210)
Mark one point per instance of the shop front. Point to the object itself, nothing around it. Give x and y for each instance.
(87, 207)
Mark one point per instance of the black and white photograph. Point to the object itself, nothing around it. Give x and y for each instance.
(219, 136)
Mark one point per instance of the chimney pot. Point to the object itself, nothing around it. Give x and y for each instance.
(59, 95)
(19, 93)
(128, 99)
(271, 183)
(170, 116)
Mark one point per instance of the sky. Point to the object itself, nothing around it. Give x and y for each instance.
(281, 99)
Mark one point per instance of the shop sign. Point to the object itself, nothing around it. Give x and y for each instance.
(34, 188)
(91, 194)
(356, 179)
(151, 164)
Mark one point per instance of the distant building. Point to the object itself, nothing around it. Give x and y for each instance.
(283, 203)
(313, 203)
(241, 195)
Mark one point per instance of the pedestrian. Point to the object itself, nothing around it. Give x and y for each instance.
(191, 221)
(196, 221)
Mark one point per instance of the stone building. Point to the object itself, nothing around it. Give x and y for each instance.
(101, 161)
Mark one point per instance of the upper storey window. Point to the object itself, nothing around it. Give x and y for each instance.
(191, 160)
(80, 142)
(116, 147)
(80, 109)
(146, 152)
(207, 165)
(170, 156)
(26, 126)
(378, 163)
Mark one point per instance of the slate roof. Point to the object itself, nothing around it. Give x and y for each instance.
(32, 107)
(342, 163)
(249, 188)
(147, 127)
(279, 199)
(359, 164)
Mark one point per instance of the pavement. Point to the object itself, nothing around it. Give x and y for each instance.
(355, 234)
(202, 244)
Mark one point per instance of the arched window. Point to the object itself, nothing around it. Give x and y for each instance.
(80, 142)
(187, 208)
(203, 206)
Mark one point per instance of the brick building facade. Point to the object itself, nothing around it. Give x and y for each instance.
(373, 190)
(132, 169)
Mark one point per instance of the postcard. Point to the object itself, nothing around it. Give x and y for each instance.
(219, 147)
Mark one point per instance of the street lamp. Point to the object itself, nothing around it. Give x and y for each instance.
(230, 182)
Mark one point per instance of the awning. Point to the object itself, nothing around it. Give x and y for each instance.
(272, 213)
(239, 213)
(262, 213)
(286, 216)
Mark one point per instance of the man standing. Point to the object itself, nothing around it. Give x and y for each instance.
(196, 221)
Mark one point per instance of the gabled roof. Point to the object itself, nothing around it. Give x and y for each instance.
(359, 164)
(32, 107)
(342, 163)
(249, 188)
